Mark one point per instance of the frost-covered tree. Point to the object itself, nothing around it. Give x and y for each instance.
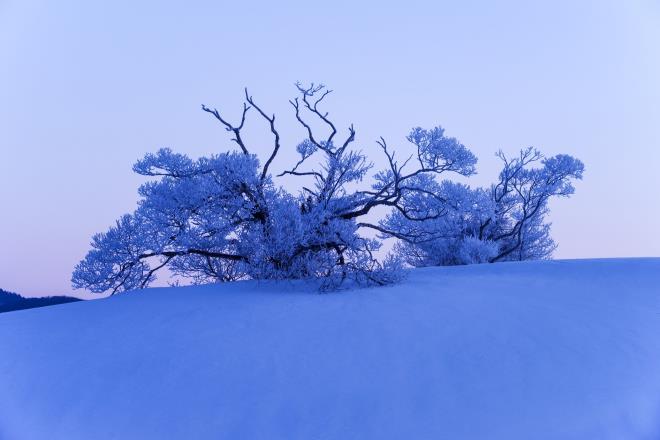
(504, 222)
(222, 218)
(521, 203)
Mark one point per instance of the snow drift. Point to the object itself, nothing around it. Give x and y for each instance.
(543, 350)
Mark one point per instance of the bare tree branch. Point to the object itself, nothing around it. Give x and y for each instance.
(229, 127)
(271, 121)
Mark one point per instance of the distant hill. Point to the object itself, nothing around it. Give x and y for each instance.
(10, 301)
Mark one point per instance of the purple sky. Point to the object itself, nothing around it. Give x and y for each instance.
(85, 90)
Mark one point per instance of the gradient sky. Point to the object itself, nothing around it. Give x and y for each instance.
(86, 88)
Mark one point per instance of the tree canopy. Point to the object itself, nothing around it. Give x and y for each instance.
(223, 218)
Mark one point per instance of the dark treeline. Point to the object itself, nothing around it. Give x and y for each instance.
(10, 301)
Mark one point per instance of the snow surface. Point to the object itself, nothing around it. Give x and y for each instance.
(543, 350)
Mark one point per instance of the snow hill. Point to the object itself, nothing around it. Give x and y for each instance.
(541, 350)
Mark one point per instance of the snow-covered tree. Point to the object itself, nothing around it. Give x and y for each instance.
(521, 199)
(222, 218)
(504, 222)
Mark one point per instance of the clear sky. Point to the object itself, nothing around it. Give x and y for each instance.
(86, 88)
